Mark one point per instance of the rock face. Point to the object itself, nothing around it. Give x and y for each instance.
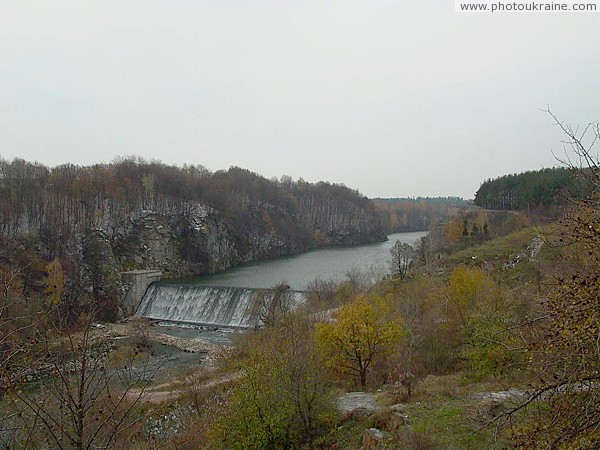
(393, 418)
(191, 241)
(132, 215)
(352, 402)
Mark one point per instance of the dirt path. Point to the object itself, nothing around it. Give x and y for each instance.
(171, 390)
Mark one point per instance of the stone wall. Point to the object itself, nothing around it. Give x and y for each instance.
(136, 282)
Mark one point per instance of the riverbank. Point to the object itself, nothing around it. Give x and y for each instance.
(299, 271)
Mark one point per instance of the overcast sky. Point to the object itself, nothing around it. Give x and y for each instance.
(388, 98)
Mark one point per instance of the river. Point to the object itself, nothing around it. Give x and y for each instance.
(299, 270)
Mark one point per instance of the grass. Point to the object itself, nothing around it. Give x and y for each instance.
(446, 411)
(496, 251)
(494, 256)
(443, 414)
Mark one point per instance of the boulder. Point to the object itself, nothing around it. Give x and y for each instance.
(353, 402)
(374, 438)
(392, 418)
(397, 420)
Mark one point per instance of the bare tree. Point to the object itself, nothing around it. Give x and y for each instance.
(18, 321)
(427, 247)
(402, 256)
(80, 396)
(358, 279)
(563, 407)
(423, 251)
(275, 305)
(321, 293)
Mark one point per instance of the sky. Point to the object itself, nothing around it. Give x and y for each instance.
(393, 98)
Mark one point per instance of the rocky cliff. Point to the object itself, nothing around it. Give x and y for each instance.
(108, 218)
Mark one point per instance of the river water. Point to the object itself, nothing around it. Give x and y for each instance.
(299, 270)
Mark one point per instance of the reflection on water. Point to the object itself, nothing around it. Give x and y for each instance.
(298, 271)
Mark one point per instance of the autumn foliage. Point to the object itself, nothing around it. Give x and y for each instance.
(363, 331)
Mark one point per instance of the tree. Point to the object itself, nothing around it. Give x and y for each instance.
(563, 410)
(281, 399)
(425, 248)
(474, 230)
(84, 398)
(148, 181)
(470, 291)
(19, 320)
(275, 305)
(453, 231)
(482, 322)
(402, 256)
(55, 282)
(493, 344)
(321, 294)
(417, 214)
(465, 230)
(528, 190)
(363, 330)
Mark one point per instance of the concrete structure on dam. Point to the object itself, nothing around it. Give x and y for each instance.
(137, 281)
(216, 306)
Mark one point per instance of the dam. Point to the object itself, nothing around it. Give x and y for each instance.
(240, 298)
(214, 306)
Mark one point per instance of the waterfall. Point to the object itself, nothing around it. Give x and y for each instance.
(213, 306)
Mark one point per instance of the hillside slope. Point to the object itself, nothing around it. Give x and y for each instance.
(132, 214)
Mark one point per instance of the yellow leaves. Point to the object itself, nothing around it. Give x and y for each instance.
(453, 231)
(470, 290)
(365, 328)
(55, 281)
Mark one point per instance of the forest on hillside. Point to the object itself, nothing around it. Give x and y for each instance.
(537, 189)
(55, 202)
(484, 334)
(90, 223)
(400, 215)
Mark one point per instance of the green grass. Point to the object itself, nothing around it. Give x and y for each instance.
(493, 255)
(496, 251)
(443, 414)
(445, 411)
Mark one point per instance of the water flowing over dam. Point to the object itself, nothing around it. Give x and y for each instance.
(231, 307)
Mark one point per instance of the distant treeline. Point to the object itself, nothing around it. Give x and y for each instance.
(400, 215)
(539, 189)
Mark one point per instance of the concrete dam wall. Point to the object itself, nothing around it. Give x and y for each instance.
(137, 282)
(214, 306)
